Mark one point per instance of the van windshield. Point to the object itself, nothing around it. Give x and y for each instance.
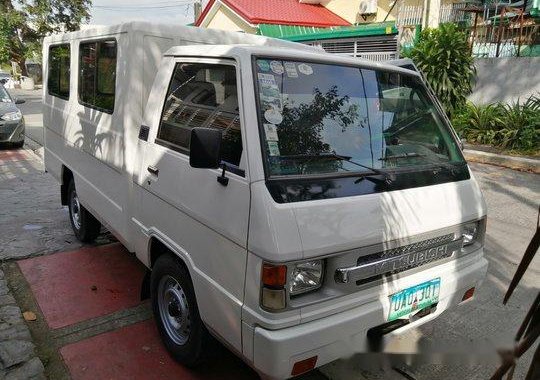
(319, 119)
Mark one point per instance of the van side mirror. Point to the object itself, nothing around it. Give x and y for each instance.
(205, 148)
(19, 101)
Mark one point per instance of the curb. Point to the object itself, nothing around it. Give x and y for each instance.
(33, 146)
(516, 163)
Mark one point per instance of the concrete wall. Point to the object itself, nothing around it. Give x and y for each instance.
(506, 79)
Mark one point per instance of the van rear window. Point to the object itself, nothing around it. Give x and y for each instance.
(58, 76)
(97, 74)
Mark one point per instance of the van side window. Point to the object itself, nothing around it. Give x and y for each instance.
(97, 74)
(202, 95)
(58, 76)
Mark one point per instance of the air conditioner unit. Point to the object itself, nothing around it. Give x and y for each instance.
(367, 7)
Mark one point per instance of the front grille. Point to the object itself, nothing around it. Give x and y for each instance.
(403, 250)
(424, 244)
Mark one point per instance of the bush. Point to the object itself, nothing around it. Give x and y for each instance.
(513, 126)
(444, 57)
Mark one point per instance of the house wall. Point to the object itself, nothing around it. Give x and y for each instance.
(225, 19)
(348, 9)
(505, 79)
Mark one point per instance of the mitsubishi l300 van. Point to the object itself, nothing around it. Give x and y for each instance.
(293, 204)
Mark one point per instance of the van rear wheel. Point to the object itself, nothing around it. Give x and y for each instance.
(177, 315)
(85, 226)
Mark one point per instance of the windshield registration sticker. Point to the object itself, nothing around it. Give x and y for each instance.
(273, 148)
(270, 131)
(290, 68)
(267, 80)
(414, 299)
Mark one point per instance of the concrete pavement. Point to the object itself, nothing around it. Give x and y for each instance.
(34, 224)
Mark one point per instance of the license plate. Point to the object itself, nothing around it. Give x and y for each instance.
(414, 299)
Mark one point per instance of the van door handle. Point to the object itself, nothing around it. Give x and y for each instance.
(153, 170)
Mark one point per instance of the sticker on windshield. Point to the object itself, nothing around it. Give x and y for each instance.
(267, 80)
(277, 67)
(305, 69)
(290, 68)
(268, 102)
(273, 148)
(263, 65)
(273, 116)
(270, 131)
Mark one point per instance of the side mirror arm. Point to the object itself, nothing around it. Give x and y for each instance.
(224, 181)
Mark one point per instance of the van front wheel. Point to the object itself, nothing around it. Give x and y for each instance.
(85, 226)
(176, 312)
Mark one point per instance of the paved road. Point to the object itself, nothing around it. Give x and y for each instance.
(33, 223)
(32, 112)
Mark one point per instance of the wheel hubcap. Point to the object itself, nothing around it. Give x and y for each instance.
(75, 211)
(174, 310)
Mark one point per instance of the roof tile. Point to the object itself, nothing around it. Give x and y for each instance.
(284, 12)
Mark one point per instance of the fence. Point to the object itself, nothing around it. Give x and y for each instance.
(504, 32)
(453, 13)
(409, 15)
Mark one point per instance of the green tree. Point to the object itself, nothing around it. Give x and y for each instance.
(303, 124)
(444, 57)
(23, 23)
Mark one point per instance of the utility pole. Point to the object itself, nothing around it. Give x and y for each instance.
(197, 9)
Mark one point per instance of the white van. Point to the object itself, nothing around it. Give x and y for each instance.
(296, 205)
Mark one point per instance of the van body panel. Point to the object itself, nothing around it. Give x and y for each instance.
(331, 226)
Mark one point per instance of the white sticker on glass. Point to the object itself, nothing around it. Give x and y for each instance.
(305, 69)
(273, 116)
(290, 68)
(277, 67)
(267, 80)
(273, 148)
(270, 131)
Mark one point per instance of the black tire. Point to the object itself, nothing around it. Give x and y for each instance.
(18, 145)
(85, 226)
(198, 341)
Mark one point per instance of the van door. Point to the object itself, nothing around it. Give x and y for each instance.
(205, 222)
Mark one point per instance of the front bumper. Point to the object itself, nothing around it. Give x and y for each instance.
(12, 131)
(345, 333)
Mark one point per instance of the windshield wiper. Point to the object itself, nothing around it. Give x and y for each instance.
(439, 165)
(404, 155)
(387, 177)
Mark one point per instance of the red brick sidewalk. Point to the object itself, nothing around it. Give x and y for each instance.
(72, 288)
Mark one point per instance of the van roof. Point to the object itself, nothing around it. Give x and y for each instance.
(313, 54)
(183, 32)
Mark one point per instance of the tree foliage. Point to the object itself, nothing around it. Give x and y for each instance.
(23, 23)
(303, 124)
(444, 57)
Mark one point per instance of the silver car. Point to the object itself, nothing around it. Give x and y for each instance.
(11, 119)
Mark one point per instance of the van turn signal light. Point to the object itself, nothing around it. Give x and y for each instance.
(274, 276)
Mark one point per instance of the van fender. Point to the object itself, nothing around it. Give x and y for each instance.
(174, 248)
(155, 235)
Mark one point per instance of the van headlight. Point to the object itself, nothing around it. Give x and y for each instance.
(12, 116)
(305, 277)
(470, 233)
